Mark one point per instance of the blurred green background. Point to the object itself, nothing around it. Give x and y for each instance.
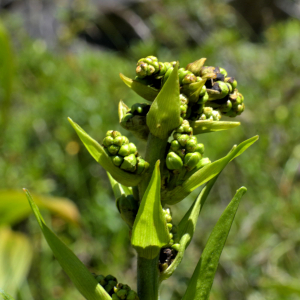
(63, 58)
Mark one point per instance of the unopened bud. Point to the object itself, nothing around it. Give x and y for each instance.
(173, 161)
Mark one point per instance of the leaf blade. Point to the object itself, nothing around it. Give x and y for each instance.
(150, 233)
(99, 154)
(142, 90)
(164, 113)
(201, 282)
(75, 269)
(200, 127)
(205, 174)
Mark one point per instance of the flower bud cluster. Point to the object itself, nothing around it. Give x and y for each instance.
(151, 66)
(219, 91)
(123, 153)
(171, 227)
(227, 99)
(116, 290)
(185, 152)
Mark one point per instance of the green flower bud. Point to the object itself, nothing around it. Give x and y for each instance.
(189, 78)
(119, 140)
(176, 135)
(169, 225)
(220, 87)
(166, 76)
(183, 98)
(191, 146)
(216, 115)
(122, 294)
(203, 91)
(200, 148)
(171, 235)
(183, 139)
(129, 163)
(180, 153)
(125, 150)
(101, 280)
(209, 71)
(117, 160)
(132, 295)
(175, 145)
(140, 108)
(231, 81)
(142, 166)
(113, 149)
(108, 141)
(176, 247)
(128, 208)
(162, 70)
(132, 148)
(113, 133)
(191, 160)
(173, 161)
(208, 111)
(115, 297)
(223, 71)
(144, 69)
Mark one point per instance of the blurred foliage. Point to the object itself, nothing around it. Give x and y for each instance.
(41, 152)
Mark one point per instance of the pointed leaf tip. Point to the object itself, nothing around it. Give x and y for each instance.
(201, 282)
(75, 269)
(150, 232)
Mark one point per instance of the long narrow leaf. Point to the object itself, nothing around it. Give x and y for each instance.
(187, 226)
(75, 269)
(201, 282)
(142, 90)
(150, 232)
(212, 126)
(205, 174)
(164, 113)
(99, 154)
(118, 188)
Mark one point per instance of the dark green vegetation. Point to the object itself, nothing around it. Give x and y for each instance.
(41, 151)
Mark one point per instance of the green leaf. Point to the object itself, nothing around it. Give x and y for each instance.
(75, 269)
(201, 282)
(15, 259)
(164, 113)
(99, 154)
(211, 126)
(142, 90)
(122, 110)
(205, 174)
(6, 75)
(150, 232)
(5, 296)
(14, 207)
(118, 188)
(187, 226)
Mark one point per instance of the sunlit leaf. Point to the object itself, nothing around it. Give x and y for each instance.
(164, 113)
(205, 174)
(99, 154)
(75, 269)
(150, 232)
(186, 228)
(211, 126)
(15, 259)
(118, 188)
(201, 282)
(122, 110)
(142, 90)
(14, 207)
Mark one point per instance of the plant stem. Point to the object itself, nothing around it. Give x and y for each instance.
(155, 150)
(148, 278)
